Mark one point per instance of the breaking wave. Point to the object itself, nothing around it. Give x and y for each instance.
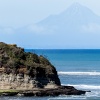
(79, 73)
(84, 86)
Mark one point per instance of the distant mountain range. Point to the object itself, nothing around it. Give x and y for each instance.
(76, 27)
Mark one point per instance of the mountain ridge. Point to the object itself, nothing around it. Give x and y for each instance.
(67, 28)
(75, 27)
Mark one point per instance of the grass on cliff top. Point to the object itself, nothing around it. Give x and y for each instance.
(9, 91)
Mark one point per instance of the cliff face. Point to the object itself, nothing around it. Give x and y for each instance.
(21, 70)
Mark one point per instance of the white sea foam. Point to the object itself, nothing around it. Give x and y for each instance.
(79, 73)
(84, 86)
(93, 95)
(68, 98)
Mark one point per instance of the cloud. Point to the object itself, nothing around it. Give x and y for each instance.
(40, 29)
(35, 28)
(91, 28)
(7, 31)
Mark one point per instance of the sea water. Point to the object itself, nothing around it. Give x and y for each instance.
(78, 68)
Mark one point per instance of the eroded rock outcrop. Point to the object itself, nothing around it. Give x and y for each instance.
(21, 70)
(27, 74)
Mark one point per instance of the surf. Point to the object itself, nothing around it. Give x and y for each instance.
(79, 73)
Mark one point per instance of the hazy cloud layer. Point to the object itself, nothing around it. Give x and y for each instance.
(75, 27)
(91, 28)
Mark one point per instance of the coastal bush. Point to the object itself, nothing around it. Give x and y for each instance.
(13, 58)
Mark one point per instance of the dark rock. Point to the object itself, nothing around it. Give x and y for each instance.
(9, 94)
(62, 90)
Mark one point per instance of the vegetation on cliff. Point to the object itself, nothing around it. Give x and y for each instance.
(14, 60)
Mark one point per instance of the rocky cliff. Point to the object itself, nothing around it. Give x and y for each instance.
(21, 70)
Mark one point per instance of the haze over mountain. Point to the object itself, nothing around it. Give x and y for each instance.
(76, 27)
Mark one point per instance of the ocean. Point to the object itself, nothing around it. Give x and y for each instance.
(76, 67)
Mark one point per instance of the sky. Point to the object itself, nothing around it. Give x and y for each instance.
(15, 14)
(18, 13)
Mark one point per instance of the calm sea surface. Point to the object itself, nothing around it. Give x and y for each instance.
(79, 68)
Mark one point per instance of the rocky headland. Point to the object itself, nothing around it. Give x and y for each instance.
(25, 73)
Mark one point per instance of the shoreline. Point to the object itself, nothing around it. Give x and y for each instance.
(42, 92)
